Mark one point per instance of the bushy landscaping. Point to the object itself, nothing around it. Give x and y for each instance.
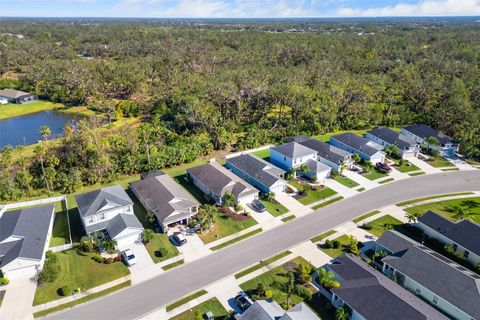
(199, 311)
(345, 243)
(378, 226)
(456, 209)
(275, 208)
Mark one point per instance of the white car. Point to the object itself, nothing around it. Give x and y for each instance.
(129, 258)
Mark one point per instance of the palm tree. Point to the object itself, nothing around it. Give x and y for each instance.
(302, 169)
(431, 141)
(45, 132)
(109, 245)
(341, 314)
(411, 217)
(290, 287)
(40, 151)
(327, 279)
(368, 166)
(147, 235)
(356, 158)
(343, 167)
(461, 213)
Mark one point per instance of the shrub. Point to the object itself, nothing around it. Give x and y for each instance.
(459, 255)
(328, 244)
(98, 258)
(108, 261)
(336, 244)
(477, 266)
(49, 273)
(163, 252)
(4, 281)
(368, 261)
(51, 257)
(366, 226)
(449, 249)
(334, 173)
(65, 291)
(117, 258)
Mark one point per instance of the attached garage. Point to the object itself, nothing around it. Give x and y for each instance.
(125, 229)
(128, 237)
(247, 198)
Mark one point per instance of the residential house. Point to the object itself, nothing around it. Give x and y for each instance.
(368, 294)
(366, 149)
(24, 239)
(215, 181)
(407, 146)
(110, 210)
(329, 155)
(16, 96)
(421, 132)
(261, 174)
(292, 155)
(167, 200)
(447, 286)
(265, 310)
(463, 236)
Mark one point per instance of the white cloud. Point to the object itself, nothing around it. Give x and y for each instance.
(422, 8)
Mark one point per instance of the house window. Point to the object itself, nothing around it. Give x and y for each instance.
(102, 216)
(295, 161)
(90, 219)
(284, 158)
(435, 299)
(129, 209)
(465, 254)
(418, 290)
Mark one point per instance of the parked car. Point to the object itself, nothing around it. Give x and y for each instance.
(356, 169)
(258, 205)
(383, 167)
(179, 238)
(129, 258)
(242, 302)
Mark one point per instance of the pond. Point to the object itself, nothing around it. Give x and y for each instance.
(24, 130)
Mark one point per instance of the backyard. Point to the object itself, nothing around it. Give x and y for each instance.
(78, 271)
(275, 209)
(264, 154)
(343, 248)
(212, 305)
(378, 226)
(225, 226)
(471, 206)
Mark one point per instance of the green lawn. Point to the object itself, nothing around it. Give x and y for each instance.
(275, 209)
(322, 236)
(326, 203)
(416, 174)
(191, 188)
(79, 271)
(13, 110)
(161, 240)
(406, 167)
(286, 219)
(472, 162)
(346, 181)
(445, 207)
(365, 216)
(312, 195)
(212, 305)
(337, 252)
(326, 137)
(262, 264)
(60, 234)
(237, 239)
(264, 154)
(173, 265)
(186, 299)
(450, 169)
(375, 174)
(380, 225)
(439, 162)
(273, 280)
(361, 189)
(404, 203)
(386, 180)
(224, 226)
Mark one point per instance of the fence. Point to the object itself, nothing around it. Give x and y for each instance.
(247, 151)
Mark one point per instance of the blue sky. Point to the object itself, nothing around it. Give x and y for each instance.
(237, 8)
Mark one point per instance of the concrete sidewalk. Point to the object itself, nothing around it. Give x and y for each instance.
(342, 190)
(362, 181)
(424, 166)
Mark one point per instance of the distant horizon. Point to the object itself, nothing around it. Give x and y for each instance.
(245, 18)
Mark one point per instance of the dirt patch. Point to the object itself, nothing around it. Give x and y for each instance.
(226, 212)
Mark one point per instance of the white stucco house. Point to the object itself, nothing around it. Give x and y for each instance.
(24, 239)
(110, 210)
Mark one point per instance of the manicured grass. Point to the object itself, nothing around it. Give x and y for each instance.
(264, 154)
(472, 162)
(445, 208)
(173, 265)
(416, 174)
(182, 169)
(326, 203)
(404, 203)
(92, 296)
(322, 236)
(338, 251)
(212, 305)
(313, 195)
(451, 169)
(346, 181)
(439, 162)
(361, 189)
(161, 240)
(286, 219)
(262, 264)
(14, 110)
(275, 209)
(237, 239)
(406, 167)
(182, 301)
(78, 271)
(386, 181)
(274, 280)
(375, 174)
(326, 137)
(365, 216)
(60, 234)
(224, 226)
(380, 225)
(191, 188)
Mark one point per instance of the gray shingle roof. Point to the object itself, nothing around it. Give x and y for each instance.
(423, 131)
(121, 222)
(293, 150)
(327, 151)
(375, 296)
(91, 202)
(161, 195)
(316, 166)
(300, 312)
(356, 142)
(465, 232)
(445, 278)
(31, 226)
(392, 137)
(13, 94)
(221, 180)
(259, 169)
(264, 310)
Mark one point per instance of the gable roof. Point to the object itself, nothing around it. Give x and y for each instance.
(392, 137)
(121, 222)
(12, 93)
(356, 142)
(300, 312)
(375, 296)
(316, 166)
(293, 150)
(264, 310)
(259, 169)
(442, 276)
(327, 151)
(423, 131)
(465, 232)
(92, 202)
(221, 180)
(29, 228)
(161, 195)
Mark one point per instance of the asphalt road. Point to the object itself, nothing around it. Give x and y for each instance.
(148, 296)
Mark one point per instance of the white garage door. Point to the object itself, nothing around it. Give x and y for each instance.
(247, 199)
(323, 175)
(127, 240)
(29, 271)
(278, 188)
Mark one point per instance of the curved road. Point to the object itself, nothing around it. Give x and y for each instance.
(145, 297)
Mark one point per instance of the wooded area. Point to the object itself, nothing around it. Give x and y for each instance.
(203, 86)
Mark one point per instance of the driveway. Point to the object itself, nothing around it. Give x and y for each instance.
(361, 180)
(423, 165)
(194, 248)
(292, 205)
(145, 268)
(17, 302)
(225, 291)
(161, 290)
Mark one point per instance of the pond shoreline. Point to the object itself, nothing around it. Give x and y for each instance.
(12, 110)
